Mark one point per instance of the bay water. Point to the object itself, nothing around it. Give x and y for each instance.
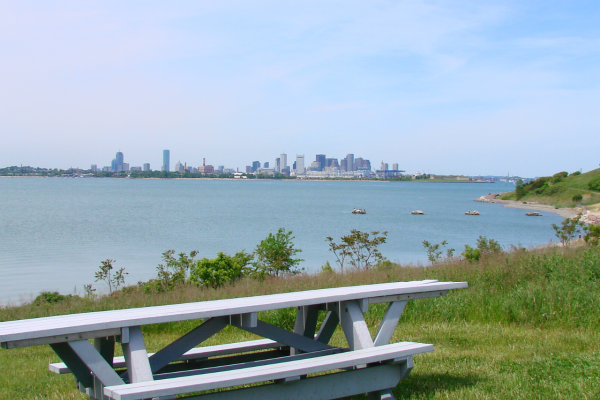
(54, 232)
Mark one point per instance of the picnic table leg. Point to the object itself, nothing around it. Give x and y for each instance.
(106, 348)
(136, 357)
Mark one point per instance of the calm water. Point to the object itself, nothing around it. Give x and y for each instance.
(54, 232)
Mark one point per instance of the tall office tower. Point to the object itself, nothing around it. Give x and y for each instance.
(125, 166)
(321, 159)
(147, 167)
(283, 161)
(395, 166)
(350, 162)
(359, 162)
(248, 169)
(94, 168)
(221, 168)
(367, 165)
(166, 160)
(266, 166)
(117, 162)
(344, 164)
(382, 166)
(277, 165)
(299, 164)
(294, 166)
(179, 166)
(255, 165)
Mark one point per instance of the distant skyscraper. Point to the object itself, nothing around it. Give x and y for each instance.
(266, 166)
(395, 166)
(320, 158)
(117, 163)
(179, 167)
(299, 164)
(283, 161)
(147, 167)
(350, 162)
(124, 167)
(255, 165)
(166, 160)
(277, 165)
(344, 164)
(94, 168)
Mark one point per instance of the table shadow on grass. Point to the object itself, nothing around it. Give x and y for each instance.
(424, 385)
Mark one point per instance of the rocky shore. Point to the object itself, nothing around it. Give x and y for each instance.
(587, 216)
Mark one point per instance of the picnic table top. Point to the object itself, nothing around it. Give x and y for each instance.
(102, 320)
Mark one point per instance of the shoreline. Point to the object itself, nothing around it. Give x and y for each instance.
(589, 217)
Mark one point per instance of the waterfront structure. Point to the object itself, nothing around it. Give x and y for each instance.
(395, 166)
(299, 168)
(350, 162)
(248, 169)
(147, 167)
(283, 161)
(320, 158)
(166, 160)
(221, 168)
(266, 165)
(179, 167)
(277, 165)
(94, 168)
(125, 167)
(344, 164)
(136, 168)
(255, 165)
(205, 169)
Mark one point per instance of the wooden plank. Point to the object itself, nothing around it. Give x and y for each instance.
(404, 297)
(328, 327)
(388, 324)
(12, 331)
(94, 361)
(354, 326)
(270, 372)
(136, 357)
(286, 337)
(62, 338)
(193, 338)
(193, 354)
(325, 387)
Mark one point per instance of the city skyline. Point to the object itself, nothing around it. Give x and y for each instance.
(462, 87)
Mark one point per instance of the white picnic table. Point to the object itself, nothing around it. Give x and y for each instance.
(281, 362)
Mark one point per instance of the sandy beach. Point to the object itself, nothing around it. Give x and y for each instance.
(563, 212)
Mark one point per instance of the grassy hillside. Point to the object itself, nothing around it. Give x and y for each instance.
(558, 190)
(527, 327)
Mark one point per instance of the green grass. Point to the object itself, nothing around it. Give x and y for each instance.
(561, 194)
(526, 328)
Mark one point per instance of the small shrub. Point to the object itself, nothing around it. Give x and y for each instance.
(51, 298)
(568, 229)
(576, 173)
(577, 198)
(274, 255)
(435, 251)
(592, 236)
(594, 184)
(484, 246)
(220, 271)
(359, 248)
(113, 280)
(326, 268)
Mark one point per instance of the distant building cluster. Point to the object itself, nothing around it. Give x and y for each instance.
(324, 167)
(321, 167)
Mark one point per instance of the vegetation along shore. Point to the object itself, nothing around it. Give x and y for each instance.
(526, 328)
(568, 195)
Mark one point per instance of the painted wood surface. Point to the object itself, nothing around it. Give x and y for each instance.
(87, 322)
(251, 375)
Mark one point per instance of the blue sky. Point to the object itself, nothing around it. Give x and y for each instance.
(463, 87)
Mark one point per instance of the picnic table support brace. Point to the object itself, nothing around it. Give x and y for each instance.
(306, 323)
(283, 336)
(106, 347)
(191, 339)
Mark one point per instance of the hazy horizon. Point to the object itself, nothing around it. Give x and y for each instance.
(449, 87)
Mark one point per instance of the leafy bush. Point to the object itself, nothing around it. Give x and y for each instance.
(435, 251)
(594, 184)
(577, 198)
(51, 298)
(220, 271)
(568, 229)
(174, 271)
(592, 236)
(484, 246)
(105, 273)
(559, 177)
(576, 173)
(274, 255)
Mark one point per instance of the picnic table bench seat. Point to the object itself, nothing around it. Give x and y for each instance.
(397, 352)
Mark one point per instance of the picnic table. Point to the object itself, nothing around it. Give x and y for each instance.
(281, 363)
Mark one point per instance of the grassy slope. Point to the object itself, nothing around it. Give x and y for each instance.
(569, 187)
(526, 328)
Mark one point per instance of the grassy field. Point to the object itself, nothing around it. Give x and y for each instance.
(561, 194)
(527, 327)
